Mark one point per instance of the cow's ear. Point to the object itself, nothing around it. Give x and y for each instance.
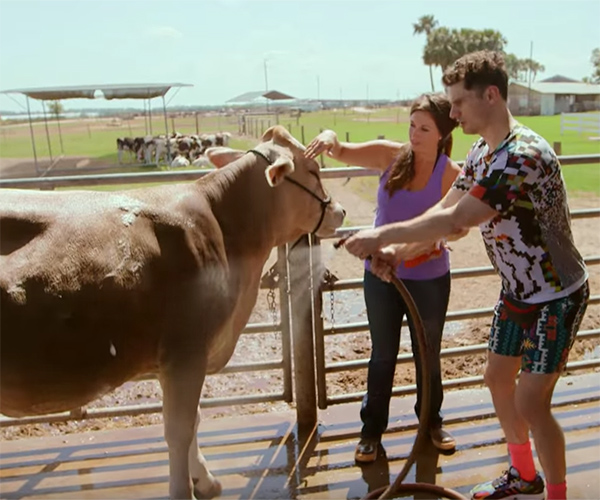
(221, 156)
(277, 171)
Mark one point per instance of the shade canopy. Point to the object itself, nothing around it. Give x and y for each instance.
(127, 91)
(271, 95)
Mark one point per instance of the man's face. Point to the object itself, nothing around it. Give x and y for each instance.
(468, 107)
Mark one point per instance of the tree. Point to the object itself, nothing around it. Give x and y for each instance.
(425, 25)
(595, 60)
(444, 46)
(56, 108)
(533, 67)
(514, 67)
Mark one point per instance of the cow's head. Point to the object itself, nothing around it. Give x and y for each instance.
(288, 170)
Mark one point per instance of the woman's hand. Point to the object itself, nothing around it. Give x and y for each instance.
(385, 261)
(325, 142)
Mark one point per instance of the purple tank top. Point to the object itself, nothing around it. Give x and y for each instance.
(406, 205)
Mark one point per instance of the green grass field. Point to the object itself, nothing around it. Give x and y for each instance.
(97, 139)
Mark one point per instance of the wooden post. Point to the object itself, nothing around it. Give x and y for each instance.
(347, 136)
(302, 135)
(196, 118)
(317, 272)
(285, 322)
(172, 125)
(381, 137)
(302, 333)
(321, 160)
(557, 148)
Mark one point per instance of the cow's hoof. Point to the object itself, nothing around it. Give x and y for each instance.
(214, 490)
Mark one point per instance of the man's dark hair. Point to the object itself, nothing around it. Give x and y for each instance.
(479, 70)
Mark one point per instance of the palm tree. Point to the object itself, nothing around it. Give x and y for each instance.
(426, 24)
(533, 67)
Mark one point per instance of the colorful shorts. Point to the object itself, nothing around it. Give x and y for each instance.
(544, 344)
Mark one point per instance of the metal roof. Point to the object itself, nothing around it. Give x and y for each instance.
(271, 95)
(569, 88)
(126, 91)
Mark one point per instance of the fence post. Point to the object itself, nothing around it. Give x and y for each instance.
(321, 160)
(317, 273)
(284, 321)
(302, 135)
(347, 136)
(196, 118)
(302, 333)
(557, 148)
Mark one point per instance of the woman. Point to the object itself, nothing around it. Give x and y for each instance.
(414, 177)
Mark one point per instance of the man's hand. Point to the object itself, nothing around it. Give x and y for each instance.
(364, 243)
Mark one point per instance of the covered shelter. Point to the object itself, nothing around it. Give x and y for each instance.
(259, 97)
(146, 92)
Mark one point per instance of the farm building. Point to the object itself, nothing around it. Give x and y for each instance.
(553, 96)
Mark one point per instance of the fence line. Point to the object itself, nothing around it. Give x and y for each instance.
(286, 363)
(580, 122)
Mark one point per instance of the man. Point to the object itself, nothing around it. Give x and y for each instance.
(512, 188)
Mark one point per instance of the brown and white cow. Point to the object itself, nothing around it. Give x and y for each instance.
(98, 287)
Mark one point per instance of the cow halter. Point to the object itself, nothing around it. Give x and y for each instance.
(324, 202)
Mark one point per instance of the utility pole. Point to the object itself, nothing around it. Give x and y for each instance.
(266, 82)
(318, 88)
(529, 78)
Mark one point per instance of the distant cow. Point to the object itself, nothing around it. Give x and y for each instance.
(134, 145)
(99, 287)
(210, 140)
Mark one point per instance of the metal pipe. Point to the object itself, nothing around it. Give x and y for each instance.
(37, 170)
(47, 133)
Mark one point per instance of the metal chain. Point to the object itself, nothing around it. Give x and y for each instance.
(332, 310)
(271, 305)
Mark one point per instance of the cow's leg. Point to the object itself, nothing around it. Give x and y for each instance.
(181, 383)
(205, 484)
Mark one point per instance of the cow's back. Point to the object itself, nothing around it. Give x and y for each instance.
(85, 279)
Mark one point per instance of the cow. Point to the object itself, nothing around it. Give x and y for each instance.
(134, 145)
(98, 287)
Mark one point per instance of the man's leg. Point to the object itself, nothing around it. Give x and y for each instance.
(500, 377)
(533, 402)
(546, 349)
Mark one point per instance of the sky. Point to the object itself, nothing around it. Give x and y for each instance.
(350, 49)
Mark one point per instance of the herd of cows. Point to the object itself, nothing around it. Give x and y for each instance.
(177, 149)
(98, 287)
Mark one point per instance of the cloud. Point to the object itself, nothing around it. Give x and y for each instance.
(165, 33)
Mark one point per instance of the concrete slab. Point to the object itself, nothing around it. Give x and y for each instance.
(265, 456)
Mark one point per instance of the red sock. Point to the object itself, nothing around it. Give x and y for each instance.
(521, 459)
(557, 491)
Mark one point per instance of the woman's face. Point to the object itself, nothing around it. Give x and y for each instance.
(423, 133)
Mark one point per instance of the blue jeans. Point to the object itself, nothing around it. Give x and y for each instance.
(385, 311)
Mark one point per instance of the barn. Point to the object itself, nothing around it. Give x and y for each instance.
(553, 96)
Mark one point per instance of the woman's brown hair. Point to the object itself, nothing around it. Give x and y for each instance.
(403, 168)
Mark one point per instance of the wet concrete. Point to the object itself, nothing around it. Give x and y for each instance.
(265, 456)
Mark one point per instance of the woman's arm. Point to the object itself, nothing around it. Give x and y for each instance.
(377, 154)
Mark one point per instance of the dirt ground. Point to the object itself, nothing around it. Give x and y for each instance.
(347, 307)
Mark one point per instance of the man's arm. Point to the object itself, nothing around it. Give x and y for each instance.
(439, 222)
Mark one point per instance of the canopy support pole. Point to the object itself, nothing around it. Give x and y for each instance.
(37, 170)
(47, 133)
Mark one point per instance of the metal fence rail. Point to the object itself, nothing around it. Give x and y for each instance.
(284, 325)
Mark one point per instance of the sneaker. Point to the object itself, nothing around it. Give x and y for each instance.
(366, 450)
(442, 439)
(510, 487)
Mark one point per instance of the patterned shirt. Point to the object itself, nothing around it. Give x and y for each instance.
(529, 242)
